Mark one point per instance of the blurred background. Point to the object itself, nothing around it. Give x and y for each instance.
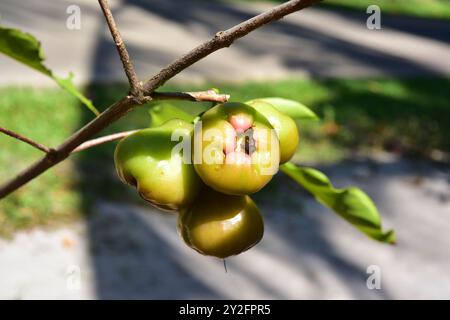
(383, 95)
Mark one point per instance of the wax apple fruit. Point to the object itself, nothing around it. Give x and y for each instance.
(162, 177)
(221, 225)
(284, 125)
(236, 149)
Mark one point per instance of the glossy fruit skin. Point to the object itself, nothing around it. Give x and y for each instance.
(221, 225)
(284, 125)
(234, 170)
(144, 160)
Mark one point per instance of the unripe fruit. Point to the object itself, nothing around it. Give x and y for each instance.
(284, 125)
(237, 150)
(145, 160)
(221, 225)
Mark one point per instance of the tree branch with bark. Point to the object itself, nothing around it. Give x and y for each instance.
(140, 94)
(22, 138)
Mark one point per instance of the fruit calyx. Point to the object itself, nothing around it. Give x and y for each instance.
(241, 142)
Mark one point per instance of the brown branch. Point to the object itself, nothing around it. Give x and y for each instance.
(120, 108)
(135, 86)
(57, 155)
(25, 139)
(201, 96)
(224, 39)
(101, 140)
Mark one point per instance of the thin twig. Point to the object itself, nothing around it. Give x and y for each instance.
(201, 96)
(224, 39)
(135, 87)
(120, 108)
(95, 142)
(25, 139)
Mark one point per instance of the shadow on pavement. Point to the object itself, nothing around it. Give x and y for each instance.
(321, 55)
(135, 250)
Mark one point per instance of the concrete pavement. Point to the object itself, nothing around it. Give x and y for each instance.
(125, 251)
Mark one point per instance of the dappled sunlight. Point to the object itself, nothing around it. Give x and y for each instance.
(374, 134)
(297, 46)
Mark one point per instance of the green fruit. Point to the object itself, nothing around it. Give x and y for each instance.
(284, 125)
(236, 150)
(145, 160)
(221, 225)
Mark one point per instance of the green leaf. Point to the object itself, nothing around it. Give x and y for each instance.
(22, 47)
(292, 108)
(68, 85)
(352, 203)
(163, 112)
(25, 48)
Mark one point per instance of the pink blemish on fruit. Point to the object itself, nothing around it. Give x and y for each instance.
(230, 140)
(240, 122)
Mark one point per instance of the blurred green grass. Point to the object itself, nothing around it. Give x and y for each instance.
(436, 9)
(47, 116)
(407, 116)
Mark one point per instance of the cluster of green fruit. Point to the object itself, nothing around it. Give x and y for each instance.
(237, 148)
